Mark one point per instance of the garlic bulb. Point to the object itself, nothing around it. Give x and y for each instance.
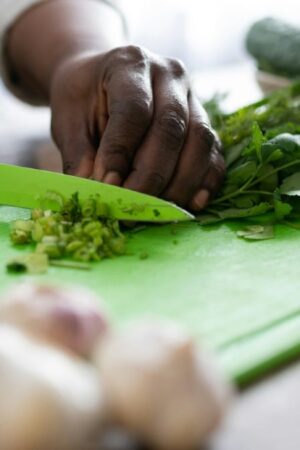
(161, 386)
(49, 399)
(66, 317)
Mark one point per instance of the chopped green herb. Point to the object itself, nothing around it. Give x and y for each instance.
(70, 264)
(79, 231)
(144, 255)
(291, 185)
(257, 232)
(33, 263)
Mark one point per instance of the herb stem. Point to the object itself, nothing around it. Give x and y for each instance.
(278, 169)
(290, 224)
(251, 183)
(257, 192)
(240, 190)
(69, 264)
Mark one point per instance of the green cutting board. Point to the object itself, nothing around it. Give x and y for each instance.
(241, 298)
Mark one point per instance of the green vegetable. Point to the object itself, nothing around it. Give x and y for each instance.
(79, 232)
(144, 255)
(33, 263)
(275, 45)
(262, 153)
(21, 231)
(69, 264)
(214, 110)
(291, 185)
(256, 232)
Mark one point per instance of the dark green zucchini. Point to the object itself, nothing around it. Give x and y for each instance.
(275, 45)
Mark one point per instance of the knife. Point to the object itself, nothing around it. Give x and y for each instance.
(26, 188)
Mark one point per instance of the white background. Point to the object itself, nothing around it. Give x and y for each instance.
(203, 33)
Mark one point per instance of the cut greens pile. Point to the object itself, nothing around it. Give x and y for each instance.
(262, 153)
(73, 237)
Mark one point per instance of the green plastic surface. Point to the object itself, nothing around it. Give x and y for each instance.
(241, 297)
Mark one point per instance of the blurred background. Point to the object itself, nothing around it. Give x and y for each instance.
(208, 36)
(203, 34)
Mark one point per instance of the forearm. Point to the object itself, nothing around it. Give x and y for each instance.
(54, 31)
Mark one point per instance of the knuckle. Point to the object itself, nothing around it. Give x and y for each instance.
(137, 111)
(219, 165)
(204, 133)
(129, 55)
(172, 124)
(177, 68)
(135, 51)
(216, 173)
(218, 144)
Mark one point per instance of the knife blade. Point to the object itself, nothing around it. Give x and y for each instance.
(24, 187)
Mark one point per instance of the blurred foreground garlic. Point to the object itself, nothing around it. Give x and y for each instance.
(49, 400)
(50, 397)
(66, 378)
(160, 386)
(63, 316)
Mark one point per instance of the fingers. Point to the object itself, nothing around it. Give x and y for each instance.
(153, 133)
(158, 155)
(130, 108)
(72, 137)
(200, 170)
(211, 183)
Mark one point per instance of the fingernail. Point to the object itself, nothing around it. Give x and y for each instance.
(200, 200)
(112, 178)
(98, 173)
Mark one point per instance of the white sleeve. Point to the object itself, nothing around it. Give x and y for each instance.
(10, 10)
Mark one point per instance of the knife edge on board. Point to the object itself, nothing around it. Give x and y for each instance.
(25, 188)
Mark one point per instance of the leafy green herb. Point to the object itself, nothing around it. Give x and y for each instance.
(257, 140)
(281, 209)
(262, 154)
(213, 108)
(291, 185)
(234, 213)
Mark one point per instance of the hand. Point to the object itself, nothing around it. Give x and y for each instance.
(129, 118)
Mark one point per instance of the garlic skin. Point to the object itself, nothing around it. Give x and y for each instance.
(160, 386)
(49, 399)
(70, 318)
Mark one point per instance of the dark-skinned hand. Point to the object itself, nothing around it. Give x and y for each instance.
(130, 118)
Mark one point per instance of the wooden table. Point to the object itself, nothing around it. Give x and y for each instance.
(265, 416)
